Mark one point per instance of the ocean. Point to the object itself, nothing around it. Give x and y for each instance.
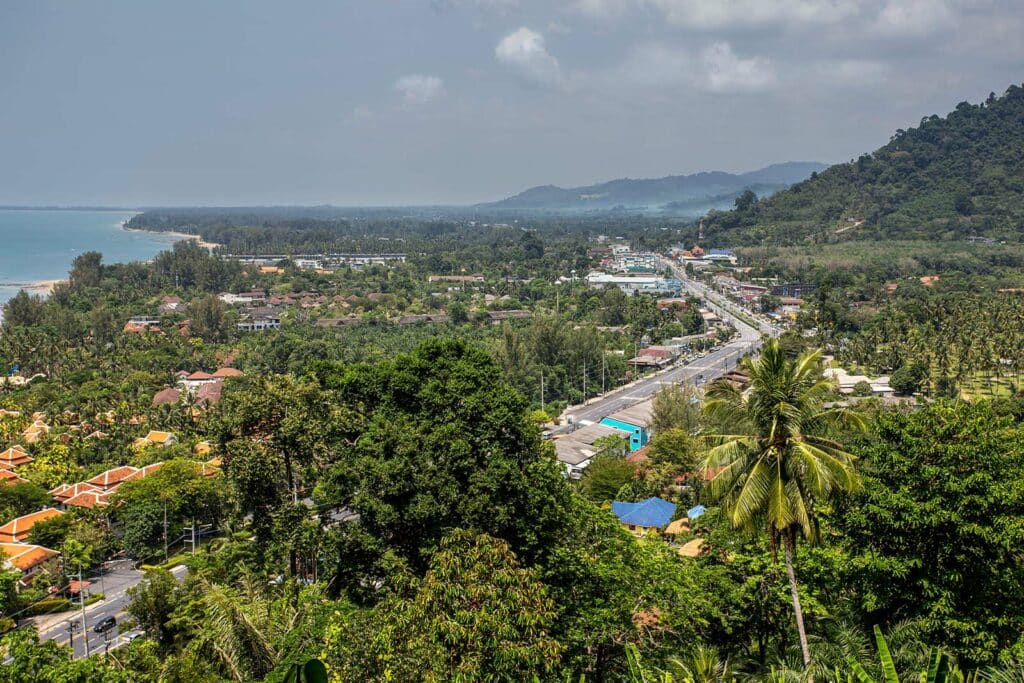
(37, 245)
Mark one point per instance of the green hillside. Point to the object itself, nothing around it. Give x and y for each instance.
(949, 178)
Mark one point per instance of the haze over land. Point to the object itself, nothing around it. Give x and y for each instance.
(458, 101)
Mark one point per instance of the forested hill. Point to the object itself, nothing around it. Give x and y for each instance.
(948, 178)
(693, 194)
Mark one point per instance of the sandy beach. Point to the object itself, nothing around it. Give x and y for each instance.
(37, 287)
(181, 235)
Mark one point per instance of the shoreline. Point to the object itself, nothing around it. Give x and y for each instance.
(35, 287)
(171, 233)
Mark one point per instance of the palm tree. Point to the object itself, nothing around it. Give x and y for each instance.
(776, 467)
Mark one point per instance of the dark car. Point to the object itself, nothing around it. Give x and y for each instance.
(105, 625)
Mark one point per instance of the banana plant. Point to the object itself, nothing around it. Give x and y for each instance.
(940, 670)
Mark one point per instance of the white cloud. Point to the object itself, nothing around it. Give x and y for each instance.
(524, 51)
(910, 18)
(718, 14)
(725, 72)
(419, 89)
(855, 72)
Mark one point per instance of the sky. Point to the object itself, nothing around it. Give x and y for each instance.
(384, 102)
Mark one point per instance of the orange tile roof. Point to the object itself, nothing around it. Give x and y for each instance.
(10, 478)
(112, 477)
(18, 529)
(202, 448)
(65, 491)
(88, 500)
(227, 372)
(25, 556)
(140, 473)
(13, 457)
(158, 437)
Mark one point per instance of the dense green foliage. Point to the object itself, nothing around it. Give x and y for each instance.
(947, 178)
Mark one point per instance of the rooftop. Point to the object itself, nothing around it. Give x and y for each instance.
(651, 513)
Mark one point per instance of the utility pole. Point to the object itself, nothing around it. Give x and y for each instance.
(602, 371)
(542, 390)
(71, 635)
(81, 601)
(584, 381)
(166, 556)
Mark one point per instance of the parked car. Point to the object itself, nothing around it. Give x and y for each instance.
(105, 625)
(132, 635)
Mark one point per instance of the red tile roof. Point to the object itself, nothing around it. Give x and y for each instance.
(112, 477)
(65, 491)
(19, 528)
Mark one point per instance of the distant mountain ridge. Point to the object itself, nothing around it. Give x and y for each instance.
(693, 193)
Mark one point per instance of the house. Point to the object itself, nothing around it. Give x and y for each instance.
(35, 431)
(576, 450)
(9, 478)
(639, 455)
(143, 471)
(222, 373)
(692, 548)
(259, 320)
(635, 420)
(651, 514)
(194, 380)
(848, 382)
(156, 438)
(202, 448)
(89, 500)
(65, 492)
(14, 456)
(142, 323)
(631, 284)
(422, 318)
(462, 279)
(209, 394)
(112, 478)
(166, 396)
(170, 304)
(18, 529)
(498, 316)
(25, 558)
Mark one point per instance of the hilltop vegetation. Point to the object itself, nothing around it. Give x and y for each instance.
(949, 178)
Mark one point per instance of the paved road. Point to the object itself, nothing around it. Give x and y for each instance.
(697, 372)
(116, 583)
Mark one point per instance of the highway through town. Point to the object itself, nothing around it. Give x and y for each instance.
(697, 372)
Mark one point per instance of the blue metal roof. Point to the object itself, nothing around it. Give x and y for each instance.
(695, 512)
(721, 252)
(653, 512)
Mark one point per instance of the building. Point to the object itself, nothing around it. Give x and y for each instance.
(14, 456)
(636, 420)
(155, 438)
(18, 529)
(629, 284)
(66, 492)
(170, 304)
(112, 478)
(259, 320)
(25, 558)
(797, 290)
(576, 450)
(168, 396)
(498, 316)
(652, 514)
(847, 382)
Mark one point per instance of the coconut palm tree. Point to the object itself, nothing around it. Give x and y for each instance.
(777, 467)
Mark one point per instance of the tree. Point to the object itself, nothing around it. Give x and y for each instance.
(777, 466)
(604, 476)
(22, 498)
(908, 379)
(24, 309)
(746, 200)
(676, 406)
(153, 603)
(935, 532)
(475, 616)
(209, 319)
(441, 442)
(86, 271)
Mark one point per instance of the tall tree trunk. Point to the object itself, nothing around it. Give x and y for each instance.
(787, 544)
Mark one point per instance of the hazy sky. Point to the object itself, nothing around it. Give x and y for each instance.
(428, 101)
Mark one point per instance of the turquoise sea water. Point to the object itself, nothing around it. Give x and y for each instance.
(40, 244)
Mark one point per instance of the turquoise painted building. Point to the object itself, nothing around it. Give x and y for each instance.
(634, 421)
